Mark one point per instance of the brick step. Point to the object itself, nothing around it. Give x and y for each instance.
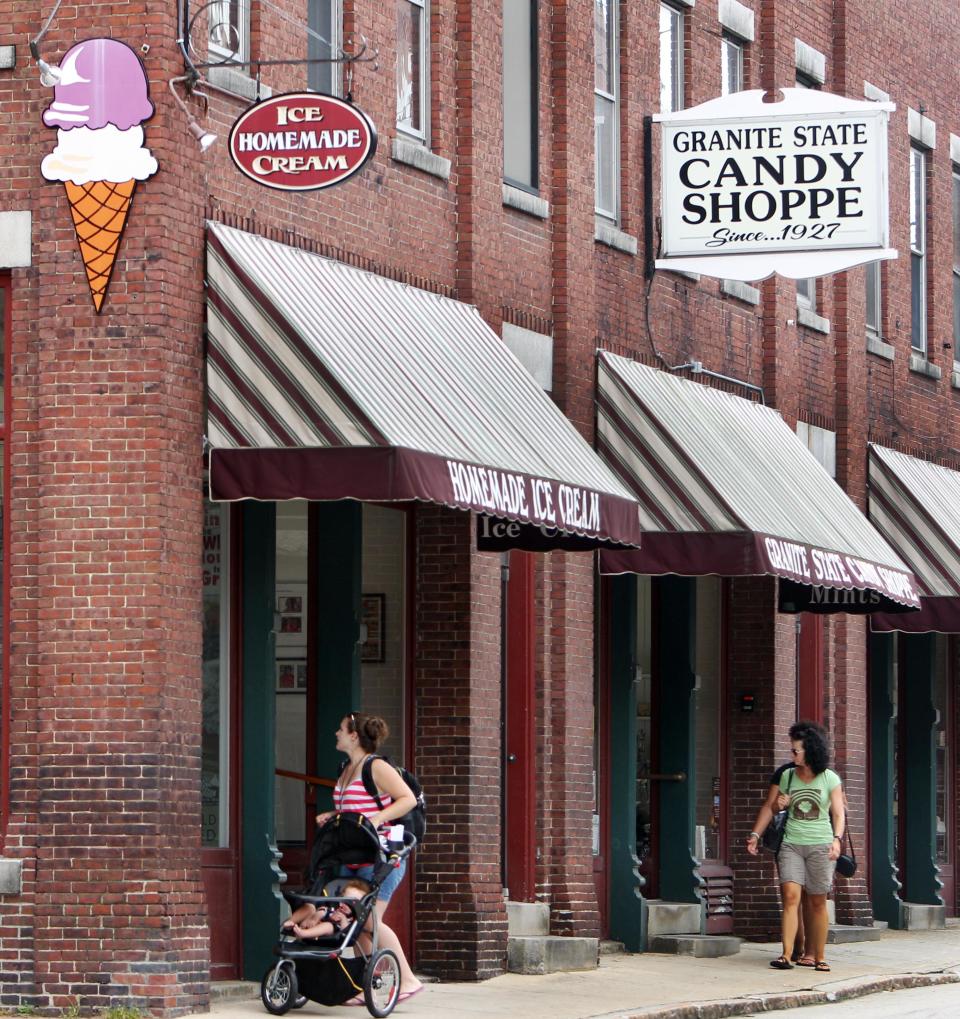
(847, 934)
(540, 954)
(673, 918)
(702, 946)
(528, 919)
(233, 990)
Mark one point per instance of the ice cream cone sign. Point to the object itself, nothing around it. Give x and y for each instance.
(100, 103)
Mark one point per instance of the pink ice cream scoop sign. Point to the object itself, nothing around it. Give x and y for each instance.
(100, 102)
(302, 141)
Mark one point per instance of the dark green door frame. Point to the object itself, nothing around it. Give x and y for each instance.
(627, 913)
(676, 678)
(884, 884)
(261, 874)
(336, 542)
(921, 876)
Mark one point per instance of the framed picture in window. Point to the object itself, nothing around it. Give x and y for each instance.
(291, 675)
(372, 610)
(291, 617)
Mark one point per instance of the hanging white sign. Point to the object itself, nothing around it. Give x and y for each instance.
(797, 187)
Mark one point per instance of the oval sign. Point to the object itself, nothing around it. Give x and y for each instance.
(302, 141)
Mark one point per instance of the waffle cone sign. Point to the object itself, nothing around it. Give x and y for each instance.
(302, 141)
(100, 102)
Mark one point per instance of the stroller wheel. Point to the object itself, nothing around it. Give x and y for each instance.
(381, 983)
(278, 989)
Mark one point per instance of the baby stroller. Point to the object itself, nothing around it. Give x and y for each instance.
(333, 969)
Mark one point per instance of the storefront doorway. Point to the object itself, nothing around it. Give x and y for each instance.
(317, 609)
(667, 821)
(913, 815)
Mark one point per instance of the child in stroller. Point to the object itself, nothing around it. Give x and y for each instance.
(308, 922)
(333, 965)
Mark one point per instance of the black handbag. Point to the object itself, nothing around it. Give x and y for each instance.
(847, 865)
(772, 837)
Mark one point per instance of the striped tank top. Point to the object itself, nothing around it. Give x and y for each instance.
(354, 797)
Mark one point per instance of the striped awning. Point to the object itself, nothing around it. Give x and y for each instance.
(916, 506)
(726, 487)
(328, 382)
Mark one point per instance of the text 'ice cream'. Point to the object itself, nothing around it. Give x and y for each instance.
(99, 104)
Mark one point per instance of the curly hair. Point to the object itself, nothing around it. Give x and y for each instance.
(816, 751)
(371, 729)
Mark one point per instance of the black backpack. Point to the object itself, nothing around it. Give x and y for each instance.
(416, 820)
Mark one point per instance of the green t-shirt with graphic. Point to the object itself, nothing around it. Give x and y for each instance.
(808, 816)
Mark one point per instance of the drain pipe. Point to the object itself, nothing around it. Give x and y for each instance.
(696, 368)
(504, 585)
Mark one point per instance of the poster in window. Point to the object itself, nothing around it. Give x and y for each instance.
(372, 608)
(291, 675)
(291, 617)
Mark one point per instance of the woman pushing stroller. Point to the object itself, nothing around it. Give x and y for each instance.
(360, 736)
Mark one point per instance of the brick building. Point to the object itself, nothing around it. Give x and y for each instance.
(150, 696)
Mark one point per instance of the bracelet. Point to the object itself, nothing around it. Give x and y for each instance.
(753, 835)
(838, 838)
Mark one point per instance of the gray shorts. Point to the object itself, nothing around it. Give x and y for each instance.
(809, 866)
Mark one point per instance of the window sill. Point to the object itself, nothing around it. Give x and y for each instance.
(524, 201)
(608, 234)
(11, 877)
(418, 156)
(955, 376)
(811, 320)
(920, 365)
(877, 346)
(740, 290)
(236, 83)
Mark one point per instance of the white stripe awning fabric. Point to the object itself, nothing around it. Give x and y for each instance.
(727, 488)
(326, 381)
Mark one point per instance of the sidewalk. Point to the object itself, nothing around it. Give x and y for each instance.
(675, 987)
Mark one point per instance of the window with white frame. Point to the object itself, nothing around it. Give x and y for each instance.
(731, 64)
(520, 94)
(606, 112)
(874, 320)
(229, 30)
(956, 265)
(324, 39)
(412, 67)
(918, 249)
(671, 59)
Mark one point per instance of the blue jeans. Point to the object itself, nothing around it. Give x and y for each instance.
(390, 883)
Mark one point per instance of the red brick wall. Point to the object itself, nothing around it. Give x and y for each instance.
(461, 926)
(105, 497)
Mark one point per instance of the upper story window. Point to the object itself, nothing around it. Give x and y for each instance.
(606, 113)
(874, 316)
(671, 59)
(412, 67)
(520, 94)
(956, 265)
(324, 39)
(918, 249)
(229, 26)
(731, 65)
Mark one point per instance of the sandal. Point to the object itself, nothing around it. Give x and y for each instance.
(808, 961)
(782, 963)
(821, 966)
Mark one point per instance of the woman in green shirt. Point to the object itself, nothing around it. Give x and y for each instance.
(811, 845)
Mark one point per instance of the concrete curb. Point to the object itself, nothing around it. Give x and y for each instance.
(753, 1003)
